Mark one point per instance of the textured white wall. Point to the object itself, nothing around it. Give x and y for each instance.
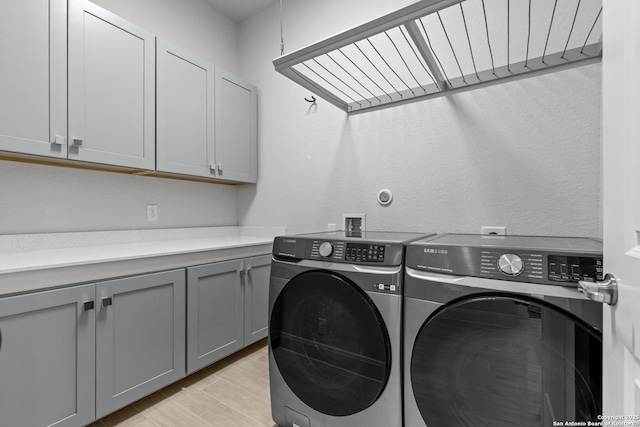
(524, 154)
(39, 199)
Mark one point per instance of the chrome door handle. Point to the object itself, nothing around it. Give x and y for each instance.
(605, 292)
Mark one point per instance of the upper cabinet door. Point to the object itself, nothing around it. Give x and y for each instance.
(111, 89)
(33, 77)
(236, 129)
(185, 141)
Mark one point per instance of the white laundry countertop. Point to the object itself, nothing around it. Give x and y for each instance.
(30, 262)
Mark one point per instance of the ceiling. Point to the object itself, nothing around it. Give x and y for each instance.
(239, 10)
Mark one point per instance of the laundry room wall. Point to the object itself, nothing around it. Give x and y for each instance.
(524, 154)
(39, 199)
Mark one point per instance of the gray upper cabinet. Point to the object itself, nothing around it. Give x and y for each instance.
(256, 300)
(236, 121)
(47, 358)
(185, 101)
(79, 83)
(140, 337)
(111, 89)
(33, 77)
(215, 312)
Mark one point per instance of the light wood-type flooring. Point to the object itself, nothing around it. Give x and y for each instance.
(232, 392)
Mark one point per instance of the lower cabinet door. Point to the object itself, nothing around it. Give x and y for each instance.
(215, 312)
(47, 357)
(140, 337)
(256, 301)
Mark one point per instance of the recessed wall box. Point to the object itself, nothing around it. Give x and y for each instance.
(354, 222)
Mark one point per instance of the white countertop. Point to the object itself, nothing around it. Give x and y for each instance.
(36, 261)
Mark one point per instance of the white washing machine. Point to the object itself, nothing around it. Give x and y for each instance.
(335, 329)
(496, 333)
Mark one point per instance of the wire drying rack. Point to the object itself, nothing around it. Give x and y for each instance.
(433, 47)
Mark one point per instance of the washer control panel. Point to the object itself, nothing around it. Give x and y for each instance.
(521, 264)
(365, 253)
(347, 251)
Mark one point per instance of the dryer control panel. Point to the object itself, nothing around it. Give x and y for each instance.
(574, 268)
(543, 260)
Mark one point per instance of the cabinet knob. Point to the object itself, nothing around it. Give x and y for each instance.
(89, 305)
(106, 302)
(219, 167)
(76, 142)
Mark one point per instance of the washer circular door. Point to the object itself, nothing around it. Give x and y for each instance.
(494, 360)
(330, 343)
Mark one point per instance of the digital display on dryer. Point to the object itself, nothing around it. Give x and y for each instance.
(573, 268)
(364, 252)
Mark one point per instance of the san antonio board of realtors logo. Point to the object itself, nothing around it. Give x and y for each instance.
(436, 251)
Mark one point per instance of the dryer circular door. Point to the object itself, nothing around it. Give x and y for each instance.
(330, 343)
(499, 359)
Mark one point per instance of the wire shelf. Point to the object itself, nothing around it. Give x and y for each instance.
(433, 47)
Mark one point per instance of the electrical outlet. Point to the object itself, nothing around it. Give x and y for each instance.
(493, 231)
(152, 212)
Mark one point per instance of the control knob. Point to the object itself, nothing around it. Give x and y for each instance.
(510, 264)
(326, 249)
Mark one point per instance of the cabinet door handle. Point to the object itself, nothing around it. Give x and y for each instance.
(59, 140)
(0, 339)
(76, 142)
(219, 167)
(89, 305)
(106, 302)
